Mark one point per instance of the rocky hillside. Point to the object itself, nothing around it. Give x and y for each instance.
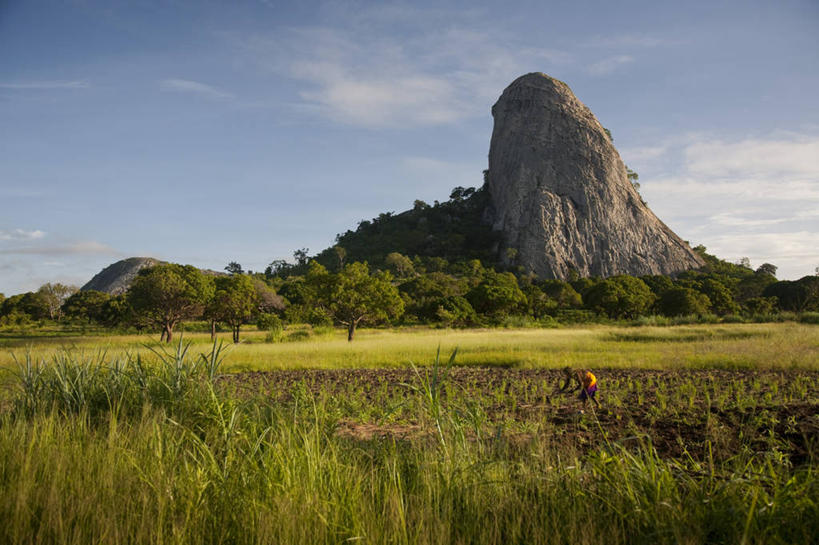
(117, 277)
(560, 195)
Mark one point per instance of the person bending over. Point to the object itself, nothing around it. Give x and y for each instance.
(583, 380)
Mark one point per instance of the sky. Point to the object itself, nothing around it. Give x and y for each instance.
(204, 131)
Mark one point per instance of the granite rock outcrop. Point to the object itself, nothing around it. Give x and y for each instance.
(560, 194)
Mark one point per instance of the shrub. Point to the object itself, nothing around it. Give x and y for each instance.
(733, 319)
(809, 318)
(273, 325)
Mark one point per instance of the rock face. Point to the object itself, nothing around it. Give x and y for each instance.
(560, 195)
(117, 277)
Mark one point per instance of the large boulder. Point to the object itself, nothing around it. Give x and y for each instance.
(560, 194)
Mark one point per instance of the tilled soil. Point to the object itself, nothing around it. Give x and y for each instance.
(754, 415)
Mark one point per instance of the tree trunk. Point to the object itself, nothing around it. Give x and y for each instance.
(212, 329)
(351, 330)
(236, 334)
(162, 336)
(168, 332)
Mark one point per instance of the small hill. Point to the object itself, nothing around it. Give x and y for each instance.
(117, 277)
(454, 230)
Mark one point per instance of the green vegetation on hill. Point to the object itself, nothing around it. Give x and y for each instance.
(454, 230)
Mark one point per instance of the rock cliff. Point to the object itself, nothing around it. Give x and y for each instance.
(560, 195)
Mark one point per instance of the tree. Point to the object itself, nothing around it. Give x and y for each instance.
(341, 255)
(353, 296)
(234, 301)
(620, 296)
(54, 295)
(562, 292)
(301, 256)
(497, 295)
(267, 300)
(400, 265)
(681, 301)
(767, 268)
(424, 293)
(234, 268)
(721, 298)
(658, 284)
(165, 295)
(797, 295)
(86, 305)
(25, 306)
(456, 311)
(277, 267)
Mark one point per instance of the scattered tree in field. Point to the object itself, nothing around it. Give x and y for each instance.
(54, 295)
(165, 295)
(353, 296)
(234, 301)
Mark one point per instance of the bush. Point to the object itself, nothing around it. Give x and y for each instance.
(517, 321)
(273, 325)
(652, 320)
(574, 316)
(809, 318)
(733, 319)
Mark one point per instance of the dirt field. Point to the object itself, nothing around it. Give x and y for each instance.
(694, 413)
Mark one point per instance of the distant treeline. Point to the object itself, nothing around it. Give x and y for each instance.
(418, 290)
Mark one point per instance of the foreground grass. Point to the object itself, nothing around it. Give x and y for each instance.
(725, 346)
(129, 451)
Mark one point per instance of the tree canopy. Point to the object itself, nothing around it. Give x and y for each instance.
(166, 294)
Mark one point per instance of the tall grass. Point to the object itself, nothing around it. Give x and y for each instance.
(170, 458)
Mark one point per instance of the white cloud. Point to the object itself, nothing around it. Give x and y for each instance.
(373, 75)
(609, 65)
(755, 158)
(21, 234)
(45, 85)
(196, 88)
(746, 197)
(631, 155)
(74, 248)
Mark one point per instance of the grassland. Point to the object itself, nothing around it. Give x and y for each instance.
(706, 434)
(724, 346)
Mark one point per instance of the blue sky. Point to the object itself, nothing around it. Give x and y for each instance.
(205, 132)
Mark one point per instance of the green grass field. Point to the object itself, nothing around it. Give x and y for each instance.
(705, 434)
(726, 346)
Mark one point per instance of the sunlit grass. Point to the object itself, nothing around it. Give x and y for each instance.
(785, 345)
